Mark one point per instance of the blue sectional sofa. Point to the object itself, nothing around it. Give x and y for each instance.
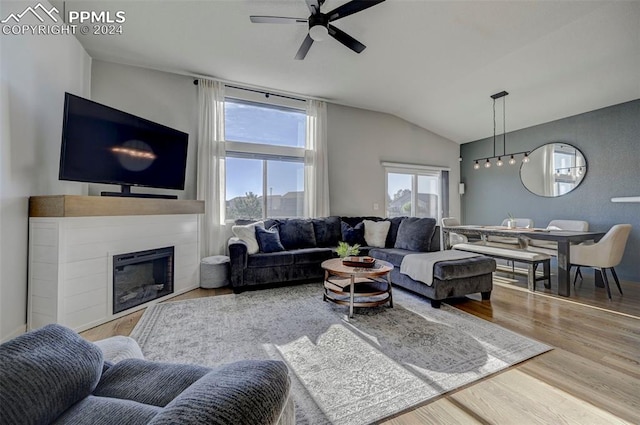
(309, 242)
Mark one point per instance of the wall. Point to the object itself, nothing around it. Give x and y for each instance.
(610, 140)
(358, 140)
(36, 70)
(165, 98)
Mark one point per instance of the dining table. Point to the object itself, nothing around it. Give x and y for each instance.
(564, 239)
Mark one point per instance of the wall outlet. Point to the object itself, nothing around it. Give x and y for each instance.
(376, 206)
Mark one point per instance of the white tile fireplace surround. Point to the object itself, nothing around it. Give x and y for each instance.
(73, 240)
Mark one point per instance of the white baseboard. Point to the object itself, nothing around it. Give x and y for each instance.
(17, 331)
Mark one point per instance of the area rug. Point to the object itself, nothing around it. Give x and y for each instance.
(344, 371)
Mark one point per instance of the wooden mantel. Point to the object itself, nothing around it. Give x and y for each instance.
(95, 206)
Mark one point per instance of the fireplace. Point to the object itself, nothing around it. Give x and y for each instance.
(139, 277)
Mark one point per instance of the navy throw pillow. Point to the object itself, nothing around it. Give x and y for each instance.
(269, 240)
(353, 235)
(296, 233)
(415, 234)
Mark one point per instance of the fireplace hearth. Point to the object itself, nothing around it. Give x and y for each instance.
(140, 277)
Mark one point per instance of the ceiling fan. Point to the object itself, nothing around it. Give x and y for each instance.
(319, 24)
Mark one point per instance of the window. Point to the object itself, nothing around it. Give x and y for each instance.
(265, 159)
(417, 191)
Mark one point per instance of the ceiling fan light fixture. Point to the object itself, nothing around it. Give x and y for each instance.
(319, 32)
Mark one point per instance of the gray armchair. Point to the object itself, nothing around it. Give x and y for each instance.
(52, 375)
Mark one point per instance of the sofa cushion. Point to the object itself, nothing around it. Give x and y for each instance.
(415, 234)
(352, 235)
(311, 255)
(269, 240)
(247, 233)
(463, 268)
(393, 231)
(44, 372)
(375, 232)
(327, 231)
(108, 411)
(297, 233)
(148, 382)
(392, 255)
(271, 259)
(243, 392)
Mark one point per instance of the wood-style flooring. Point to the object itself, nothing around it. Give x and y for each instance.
(591, 377)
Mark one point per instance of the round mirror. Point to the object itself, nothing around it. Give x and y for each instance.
(553, 170)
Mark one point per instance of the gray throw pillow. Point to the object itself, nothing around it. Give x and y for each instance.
(415, 234)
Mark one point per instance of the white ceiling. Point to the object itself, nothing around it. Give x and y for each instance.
(433, 63)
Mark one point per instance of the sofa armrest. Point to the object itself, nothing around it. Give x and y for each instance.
(244, 392)
(238, 257)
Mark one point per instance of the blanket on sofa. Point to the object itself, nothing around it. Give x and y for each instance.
(420, 266)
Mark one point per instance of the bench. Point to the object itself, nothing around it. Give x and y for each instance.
(532, 259)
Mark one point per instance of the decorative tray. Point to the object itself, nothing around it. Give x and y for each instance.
(359, 261)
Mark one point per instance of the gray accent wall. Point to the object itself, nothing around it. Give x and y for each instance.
(610, 140)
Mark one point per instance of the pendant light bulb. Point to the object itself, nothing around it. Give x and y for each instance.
(512, 160)
(499, 163)
(476, 166)
(526, 158)
(487, 164)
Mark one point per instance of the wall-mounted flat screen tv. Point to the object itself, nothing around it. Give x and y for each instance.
(104, 145)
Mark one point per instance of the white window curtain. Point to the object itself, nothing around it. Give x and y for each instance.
(211, 162)
(316, 170)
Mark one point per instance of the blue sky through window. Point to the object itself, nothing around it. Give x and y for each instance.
(252, 122)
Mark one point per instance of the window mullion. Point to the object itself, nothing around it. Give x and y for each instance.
(264, 188)
(414, 194)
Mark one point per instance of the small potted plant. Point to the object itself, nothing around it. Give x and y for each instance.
(346, 250)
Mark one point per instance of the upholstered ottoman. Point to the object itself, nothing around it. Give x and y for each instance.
(451, 278)
(214, 272)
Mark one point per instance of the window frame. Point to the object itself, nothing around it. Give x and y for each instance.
(415, 170)
(263, 151)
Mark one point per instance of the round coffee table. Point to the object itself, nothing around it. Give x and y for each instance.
(357, 286)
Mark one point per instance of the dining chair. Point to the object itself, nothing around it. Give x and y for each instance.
(454, 238)
(603, 255)
(551, 247)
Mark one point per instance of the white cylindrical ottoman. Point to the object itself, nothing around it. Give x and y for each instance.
(214, 271)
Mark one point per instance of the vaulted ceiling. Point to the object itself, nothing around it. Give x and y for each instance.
(432, 63)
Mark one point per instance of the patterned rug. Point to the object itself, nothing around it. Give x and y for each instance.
(344, 371)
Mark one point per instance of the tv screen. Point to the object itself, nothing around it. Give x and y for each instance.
(104, 145)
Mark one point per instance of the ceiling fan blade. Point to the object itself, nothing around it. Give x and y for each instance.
(350, 8)
(304, 48)
(346, 39)
(277, 20)
(314, 6)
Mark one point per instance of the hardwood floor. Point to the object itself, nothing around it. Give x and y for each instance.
(591, 377)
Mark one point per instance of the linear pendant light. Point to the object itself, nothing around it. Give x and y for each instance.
(500, 162)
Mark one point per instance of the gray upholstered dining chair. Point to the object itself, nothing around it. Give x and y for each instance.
(454, 238)
(551, 247)
(603, 255)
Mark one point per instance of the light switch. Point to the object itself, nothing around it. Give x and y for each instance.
(376, 206)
